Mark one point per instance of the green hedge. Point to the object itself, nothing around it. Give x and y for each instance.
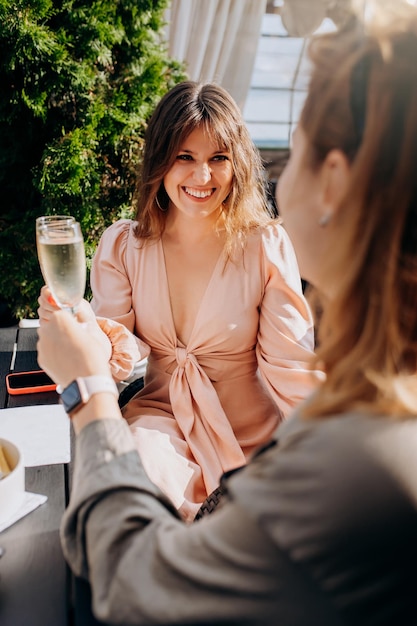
(79, 80)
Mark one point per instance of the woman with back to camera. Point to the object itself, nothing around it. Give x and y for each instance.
(321, 526)
(210, 286)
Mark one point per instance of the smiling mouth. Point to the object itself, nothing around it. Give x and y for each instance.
(198, 193)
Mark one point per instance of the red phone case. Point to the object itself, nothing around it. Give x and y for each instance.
(17, 391)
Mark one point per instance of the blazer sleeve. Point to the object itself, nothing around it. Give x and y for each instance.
(146, 566)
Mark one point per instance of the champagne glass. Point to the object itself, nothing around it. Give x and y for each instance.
(61, 254)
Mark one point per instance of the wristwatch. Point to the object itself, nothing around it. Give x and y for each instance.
(79, 392)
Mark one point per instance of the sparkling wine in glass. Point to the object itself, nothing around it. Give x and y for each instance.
(61, 254)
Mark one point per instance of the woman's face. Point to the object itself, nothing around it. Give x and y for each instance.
(200, 178)
(300, 204)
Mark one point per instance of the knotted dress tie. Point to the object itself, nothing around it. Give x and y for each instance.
(202, 420)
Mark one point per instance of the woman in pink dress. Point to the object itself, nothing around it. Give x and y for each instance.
(209, 285)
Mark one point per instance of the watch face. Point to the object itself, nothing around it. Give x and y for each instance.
(71, 397)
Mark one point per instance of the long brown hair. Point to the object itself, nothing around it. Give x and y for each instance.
(363, 100)
(184, 108)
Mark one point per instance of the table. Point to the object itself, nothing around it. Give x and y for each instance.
(36, 586)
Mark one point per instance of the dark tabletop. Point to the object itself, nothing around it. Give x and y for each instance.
(36, 586)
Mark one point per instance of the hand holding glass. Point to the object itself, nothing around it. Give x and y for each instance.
(61, 256)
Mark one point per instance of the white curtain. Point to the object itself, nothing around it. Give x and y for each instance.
(217, 40)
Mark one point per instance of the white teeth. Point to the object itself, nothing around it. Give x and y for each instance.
(199, 193)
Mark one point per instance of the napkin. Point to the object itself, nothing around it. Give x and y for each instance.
(41, 432)
(30, 502)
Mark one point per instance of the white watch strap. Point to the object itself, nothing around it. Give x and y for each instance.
(97, 384)
(90, 385)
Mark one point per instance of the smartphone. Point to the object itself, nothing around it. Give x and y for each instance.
(29, 382)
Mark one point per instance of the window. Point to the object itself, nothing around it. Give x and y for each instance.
(279, 83)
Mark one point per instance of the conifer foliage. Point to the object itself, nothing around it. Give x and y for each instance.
(79, 80)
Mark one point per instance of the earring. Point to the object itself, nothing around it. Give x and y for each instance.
(159, 206)
(324, 220)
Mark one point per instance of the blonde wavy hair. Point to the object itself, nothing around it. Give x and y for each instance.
(362, 100)
(190, 105)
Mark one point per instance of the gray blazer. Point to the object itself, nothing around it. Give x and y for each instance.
(319, 529)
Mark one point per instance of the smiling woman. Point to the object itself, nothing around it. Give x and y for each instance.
(200, 179)
(208, 283)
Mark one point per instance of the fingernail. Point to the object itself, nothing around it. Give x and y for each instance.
(51, 300)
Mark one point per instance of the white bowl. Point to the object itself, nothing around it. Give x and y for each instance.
(12, 486)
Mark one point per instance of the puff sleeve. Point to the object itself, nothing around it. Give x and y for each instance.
(285, 344)
(111, 287)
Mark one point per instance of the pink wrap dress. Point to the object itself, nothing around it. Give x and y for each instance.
(207, 405)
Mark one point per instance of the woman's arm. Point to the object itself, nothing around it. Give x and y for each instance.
(144, 564)
(110, 283)
(286, 331)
